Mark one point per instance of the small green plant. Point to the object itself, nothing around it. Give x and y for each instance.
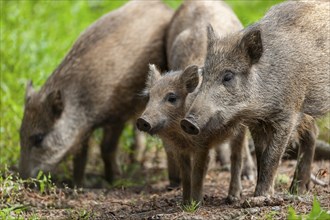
(271, 215)
(10, 187)
(84, 214)
(14, 191)
(316, 213)
(192, 207)
(10, 194)
(45, 182)
(79, 214)
(12, 212)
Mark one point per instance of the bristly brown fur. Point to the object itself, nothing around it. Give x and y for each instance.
(98, 84)
(186, 45)
(278, 70)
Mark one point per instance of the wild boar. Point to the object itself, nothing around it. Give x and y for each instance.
(96, 85)
(169, 99)
(272, 77)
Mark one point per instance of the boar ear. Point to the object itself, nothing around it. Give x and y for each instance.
(252, 44)
(190, 78)
(153, 75)
(29, 91)
(211, 35)
(56, 102)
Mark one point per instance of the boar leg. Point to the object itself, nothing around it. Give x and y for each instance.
(307, 133)
(260, 145)
(199, 168)
(248, 163)
(109, 144)
(173, 170)
(184, 162)
(223, 155)
(138, 147)
(270, 143)
(237, 145)
(79, 164)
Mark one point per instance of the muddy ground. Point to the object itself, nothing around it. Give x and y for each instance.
(141, 194)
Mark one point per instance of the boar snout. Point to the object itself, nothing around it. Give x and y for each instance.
(189, 126)
(143, 125)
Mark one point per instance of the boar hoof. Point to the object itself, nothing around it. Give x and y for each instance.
(262, 191)
(173, 186)
(248, 173)
(232, 199)
(225, 168)
(248, 176)
(299, 188)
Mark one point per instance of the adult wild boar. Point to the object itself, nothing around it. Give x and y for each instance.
(96, 85)
(170, 96)
(274, 77)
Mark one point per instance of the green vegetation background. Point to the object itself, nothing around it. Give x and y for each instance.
(35, 37)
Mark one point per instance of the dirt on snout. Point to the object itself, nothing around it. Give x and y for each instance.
(152, 200)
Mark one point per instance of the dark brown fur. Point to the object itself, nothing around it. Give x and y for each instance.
(96, 85)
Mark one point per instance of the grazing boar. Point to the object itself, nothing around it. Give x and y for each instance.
(96, 85)
(272, 77)
(170, 95)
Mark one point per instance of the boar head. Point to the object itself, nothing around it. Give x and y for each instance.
(41, 132)
(227, 93)
(167, 97)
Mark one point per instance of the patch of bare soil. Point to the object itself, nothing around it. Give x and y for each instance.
(151, 200)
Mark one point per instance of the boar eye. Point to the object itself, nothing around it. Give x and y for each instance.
(171, 98)
(37, 139)
(227, 77)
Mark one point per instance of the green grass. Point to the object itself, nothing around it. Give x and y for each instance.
(251, 11)
(315, 214)
(191, 207)
(13, 192)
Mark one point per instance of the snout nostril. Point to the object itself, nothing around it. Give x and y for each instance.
(189, 127)
(143, 125)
